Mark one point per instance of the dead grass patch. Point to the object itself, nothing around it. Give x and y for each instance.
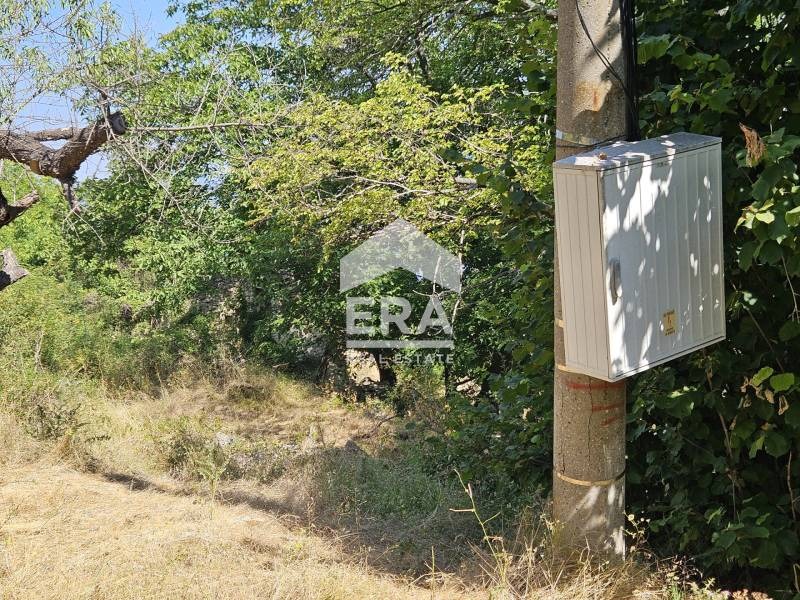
(255, 487)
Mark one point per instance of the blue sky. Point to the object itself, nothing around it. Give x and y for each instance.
(146, 15)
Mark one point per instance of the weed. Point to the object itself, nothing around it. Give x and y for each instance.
(49, 419)
(192, 449)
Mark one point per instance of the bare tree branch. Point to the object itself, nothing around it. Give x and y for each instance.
(11, 271)
(69, 196)
(87, 141)
(540, 9)
(9, 212)
(60, 163)
(47, 135)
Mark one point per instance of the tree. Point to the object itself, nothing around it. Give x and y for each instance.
(345, 157)
(31, 72)
(714, 436)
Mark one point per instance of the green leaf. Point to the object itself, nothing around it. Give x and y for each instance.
(757, 445)
(765, 217)
(778, 229)
(746, 255)
(755, 532)
(787, 541)
(719, 100)
(762, 188)
(790, 330)
(725, 539)
(776, 444)
(683, 61)
(782, 382)
(744, 428)
(776, 137)
(793, 216)
(770, 252)
(653, 46)
(767, 555)
(792, 416)
(762, 375)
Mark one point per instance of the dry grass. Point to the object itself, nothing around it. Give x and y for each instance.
(71, 535)
(142, 502)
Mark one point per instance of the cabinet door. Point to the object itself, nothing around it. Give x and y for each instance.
(644, 243)
(661, 225)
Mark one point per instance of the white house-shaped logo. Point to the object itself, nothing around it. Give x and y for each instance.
(399, 245)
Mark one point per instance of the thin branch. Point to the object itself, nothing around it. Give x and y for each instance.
(789, 485)
(69, 196)
(177, 129)
(761, 331)
(532, 6)
(374, 430)
(796, 312)
(540, 9)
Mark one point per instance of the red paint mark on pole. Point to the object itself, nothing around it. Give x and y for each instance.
(611, 420)
(600, 385)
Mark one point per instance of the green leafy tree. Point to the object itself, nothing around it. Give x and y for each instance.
(715, 436)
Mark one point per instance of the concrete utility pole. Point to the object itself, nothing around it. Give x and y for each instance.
(589, 414)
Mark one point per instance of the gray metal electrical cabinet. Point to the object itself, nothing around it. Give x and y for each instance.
(640, 253)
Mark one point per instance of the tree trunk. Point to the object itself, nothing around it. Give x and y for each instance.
(589, 414)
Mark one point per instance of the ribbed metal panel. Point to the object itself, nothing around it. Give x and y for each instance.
(581, 272)
(661, 220)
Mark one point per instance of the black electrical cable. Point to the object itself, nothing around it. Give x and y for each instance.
(629, 49)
